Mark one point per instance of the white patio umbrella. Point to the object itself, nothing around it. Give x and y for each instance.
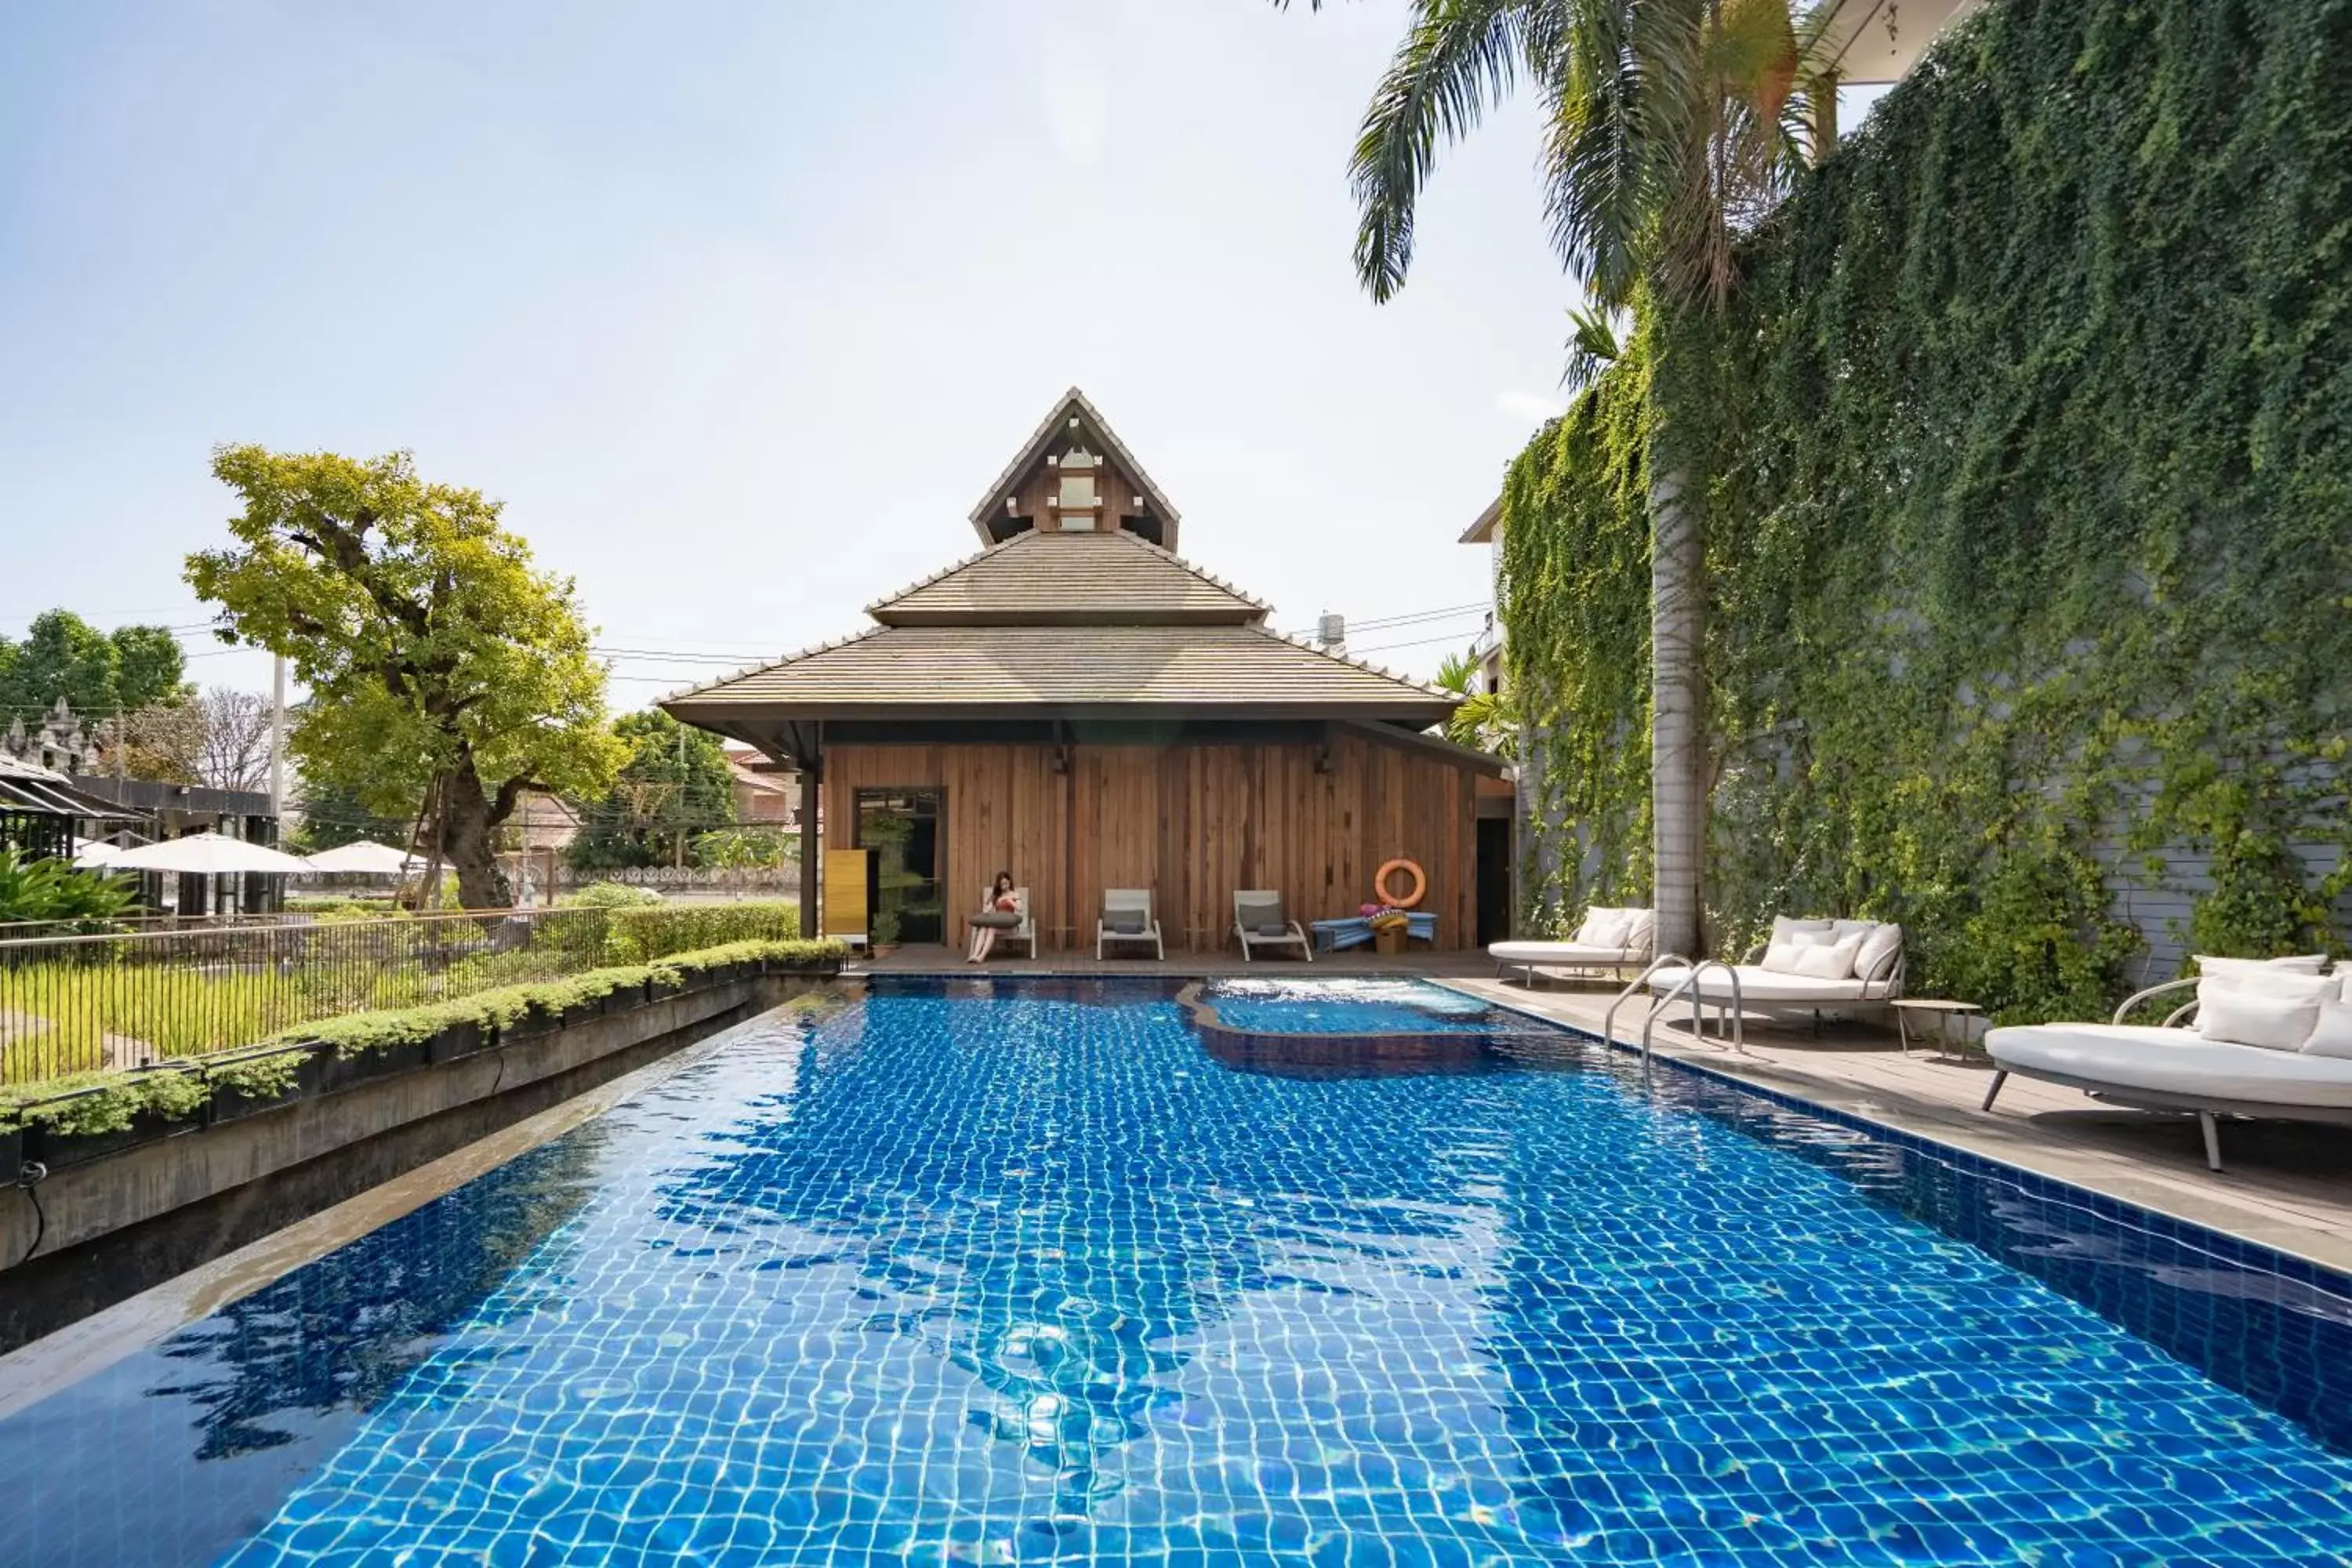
(210, 854)
(365, 857)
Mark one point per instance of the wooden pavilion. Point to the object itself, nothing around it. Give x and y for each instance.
(1079, 705)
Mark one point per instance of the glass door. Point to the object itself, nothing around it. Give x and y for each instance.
(901, 829)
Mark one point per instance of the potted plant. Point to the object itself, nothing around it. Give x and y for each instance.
(246, 1085)
(885, 933)
(462, 1038)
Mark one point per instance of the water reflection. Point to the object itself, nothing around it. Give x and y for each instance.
(193, 1442)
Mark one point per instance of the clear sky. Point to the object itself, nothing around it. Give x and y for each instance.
(738, 307)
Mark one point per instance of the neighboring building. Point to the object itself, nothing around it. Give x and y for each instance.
(1079, 705)
(42, 812)
(766, 793)
(1488, 649)
(535, 837)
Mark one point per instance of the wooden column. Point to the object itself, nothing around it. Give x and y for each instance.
(812, 848)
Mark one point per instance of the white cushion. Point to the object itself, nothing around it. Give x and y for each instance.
(1561, 952)
(2250, 1017)
(2332, 1035)
(1762, 987)
(1829, 960)
(1784, 929)
(2171, 1062)
(1604, 926)
(2286, 985)
(2299, 962)
(1841, 930)
(1880, 949)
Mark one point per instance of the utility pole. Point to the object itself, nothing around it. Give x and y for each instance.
(677, 857)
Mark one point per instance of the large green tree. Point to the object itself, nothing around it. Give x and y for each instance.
(1665, 138)
(673, 786)
(441, 666)
(98, 673)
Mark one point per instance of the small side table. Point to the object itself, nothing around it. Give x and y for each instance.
(1945, 1014)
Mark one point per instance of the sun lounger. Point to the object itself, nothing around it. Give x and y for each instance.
(1609, 942)
(1024, 926)
(1852, 964)
(2175, 1066)
(1259, 920)
(1126, 919)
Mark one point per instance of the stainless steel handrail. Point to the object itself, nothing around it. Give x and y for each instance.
(1698, 1030)
(1609, 1019)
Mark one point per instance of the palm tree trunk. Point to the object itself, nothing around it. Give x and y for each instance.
(1678, 748)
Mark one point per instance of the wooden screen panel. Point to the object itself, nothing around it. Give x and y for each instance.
(1192, 823)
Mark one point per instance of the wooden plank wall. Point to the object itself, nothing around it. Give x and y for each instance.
(1191, 822)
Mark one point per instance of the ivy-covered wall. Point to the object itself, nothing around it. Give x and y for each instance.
(2025, 455)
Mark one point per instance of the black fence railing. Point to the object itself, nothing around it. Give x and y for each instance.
(78, 1003)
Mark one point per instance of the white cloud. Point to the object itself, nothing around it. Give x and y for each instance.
(1528, 408)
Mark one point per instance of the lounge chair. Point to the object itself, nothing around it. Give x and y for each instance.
(2176, 1065)
(1025, 930)
(1259, 920)
(1611, 941)
(1127, 917)
(1807, 964)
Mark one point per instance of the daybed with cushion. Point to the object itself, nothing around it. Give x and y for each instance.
(1611, 941)
(1127, 920)
(2270, 1039)
(1259, 922)
(1807, 964)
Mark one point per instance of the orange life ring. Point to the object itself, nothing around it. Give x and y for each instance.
(1380, 885)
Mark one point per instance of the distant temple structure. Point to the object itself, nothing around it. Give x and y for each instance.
(59, 743)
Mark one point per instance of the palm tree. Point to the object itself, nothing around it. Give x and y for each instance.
(1665, 140)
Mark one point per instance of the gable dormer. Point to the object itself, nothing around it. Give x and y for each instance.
(1074, 476)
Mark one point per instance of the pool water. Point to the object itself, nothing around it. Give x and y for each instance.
(1012, 1272)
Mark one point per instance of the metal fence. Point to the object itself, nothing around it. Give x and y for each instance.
(82, 1004)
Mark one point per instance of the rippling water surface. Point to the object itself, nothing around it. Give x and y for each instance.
(1021, 1272)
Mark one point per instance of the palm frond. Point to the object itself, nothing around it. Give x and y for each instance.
(1457, 57)
(1592, 344)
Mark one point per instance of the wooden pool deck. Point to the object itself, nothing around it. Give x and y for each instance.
(2287, 1185)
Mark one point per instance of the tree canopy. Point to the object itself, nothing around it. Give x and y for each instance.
(675, 783)
(441, 666)
(98, 673)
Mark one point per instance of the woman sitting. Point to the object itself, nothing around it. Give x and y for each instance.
(1003, 913)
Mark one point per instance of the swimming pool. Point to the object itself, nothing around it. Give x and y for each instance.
(1004, 1272)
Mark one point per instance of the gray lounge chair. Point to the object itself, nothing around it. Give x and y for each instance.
(1127, 917)
(1259, 920)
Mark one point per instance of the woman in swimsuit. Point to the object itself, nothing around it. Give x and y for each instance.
(1001, 902)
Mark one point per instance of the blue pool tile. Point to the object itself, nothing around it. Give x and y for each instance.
(1038, 1273)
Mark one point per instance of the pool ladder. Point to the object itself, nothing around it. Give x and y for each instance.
(1698, 1004)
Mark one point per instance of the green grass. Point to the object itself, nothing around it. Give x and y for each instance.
(59, 1018)
(92, 1102)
